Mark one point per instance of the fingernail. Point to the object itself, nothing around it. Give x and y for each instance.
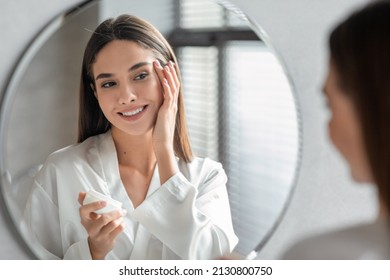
(103, 203)
(157, 63)
(167, 68)
(171, 63)
(124, 212)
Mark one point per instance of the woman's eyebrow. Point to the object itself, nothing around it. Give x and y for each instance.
(138, 65)
(103, 76)
(132, 68)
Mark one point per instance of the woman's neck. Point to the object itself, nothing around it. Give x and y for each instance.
(134, 151)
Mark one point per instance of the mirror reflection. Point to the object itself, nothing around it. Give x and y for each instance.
(240, 112)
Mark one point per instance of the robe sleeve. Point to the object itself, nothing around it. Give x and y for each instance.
(194, 222)
(41, 228)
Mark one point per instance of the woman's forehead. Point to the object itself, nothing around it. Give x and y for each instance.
(122, 53)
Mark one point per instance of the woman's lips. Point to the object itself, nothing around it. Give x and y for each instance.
(134, 114)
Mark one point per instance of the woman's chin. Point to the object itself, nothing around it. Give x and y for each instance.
(134, 131)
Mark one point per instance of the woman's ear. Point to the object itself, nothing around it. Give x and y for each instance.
(93, 89)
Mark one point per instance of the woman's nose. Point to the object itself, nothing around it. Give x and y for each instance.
(127, 95)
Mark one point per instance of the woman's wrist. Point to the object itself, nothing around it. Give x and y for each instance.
(167, 164)
(94, 255)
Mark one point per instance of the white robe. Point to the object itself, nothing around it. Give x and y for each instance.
(188, 217)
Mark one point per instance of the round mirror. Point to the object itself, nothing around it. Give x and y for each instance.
(240, 106)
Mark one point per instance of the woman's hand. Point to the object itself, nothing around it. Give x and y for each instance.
(102, 229)
(164, 129)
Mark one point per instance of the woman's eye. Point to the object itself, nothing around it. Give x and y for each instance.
(108, 84)
(141, 76)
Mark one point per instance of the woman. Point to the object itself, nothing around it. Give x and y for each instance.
(358, 92)
(133, 147)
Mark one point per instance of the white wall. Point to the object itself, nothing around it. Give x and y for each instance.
(324, 197)
(162, 18)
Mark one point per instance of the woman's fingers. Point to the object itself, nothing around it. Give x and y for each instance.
(168, 96)
(112, 226)
(118, 230)
(81, 197)
(104, 224)
(168, 73)
(159, 70)
(107, 218)
(174, 74)
(172, 78)
(87, 211)
(169, 77)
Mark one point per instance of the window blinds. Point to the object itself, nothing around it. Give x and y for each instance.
(199, 67)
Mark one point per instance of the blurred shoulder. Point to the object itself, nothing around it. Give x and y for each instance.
(361, 241)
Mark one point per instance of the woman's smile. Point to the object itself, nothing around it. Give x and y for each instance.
(133, 114)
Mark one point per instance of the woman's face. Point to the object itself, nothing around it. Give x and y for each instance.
(345, 129)
(128, 89)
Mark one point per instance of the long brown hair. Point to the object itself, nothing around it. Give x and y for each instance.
(360, 53)
(126, 27)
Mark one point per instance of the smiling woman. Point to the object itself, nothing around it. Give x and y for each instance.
(130, 140)
(175, 206)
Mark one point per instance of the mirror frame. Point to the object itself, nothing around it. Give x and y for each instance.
(8, 95)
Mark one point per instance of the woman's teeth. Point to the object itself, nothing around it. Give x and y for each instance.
(132, 113)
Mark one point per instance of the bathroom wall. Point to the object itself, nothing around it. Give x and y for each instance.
(324, 197)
